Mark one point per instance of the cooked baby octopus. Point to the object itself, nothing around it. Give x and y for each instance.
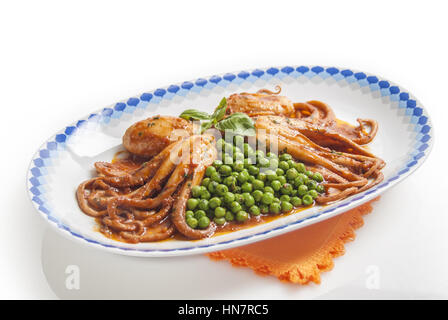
(137, 205)
(311, 133)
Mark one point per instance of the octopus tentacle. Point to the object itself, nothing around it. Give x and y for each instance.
(266, 91)
(143, 173)
(82, 198)
(336, 196)
(305, 154)
(158, 232)
(179, 209)
(315, 112)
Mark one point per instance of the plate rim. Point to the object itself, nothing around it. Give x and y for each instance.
(309, 71)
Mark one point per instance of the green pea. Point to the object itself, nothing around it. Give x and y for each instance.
(220, 212)
(242, 216)
(285, 157)
(276, 185)
(238, 166)
(264, 208)
(282, 179)
(296, 201)
(196, 191)
(235, 174)
(320, 188)
(275, 207)
(238, 140)
(267, 198)
(209, 171)
(205, 195)
(212, 186)
(300, 167)
(235, 207)
(203, 204)
(203, 222)
(221, 189)
(313, 194)
(229, 197)
(283, 165)
(228, 159)
(189, 214)
(261, 176)
(249, 200)
(205, 182)
(307, 200)
(304, 178)
(228, 147)
(217, 164)
(192, 222)
(269, 189)
(280, 172)
(311, 184)
(302, 190)
(225, 170)
(309, 174)
(276, 200)
(254, 210)
(247, 163)
(214, 202)
(247, 187)
(259, 154)
(285, 197)
(271, 175)
(294, 193)
(229, 216)
(298, 181)
(273, 163)
(257, 194)
(243, 176)
(291, 163)
(318, 177)
(253, 170)
(239, 156)
(192, 203)
(258, 184)
(251, 179)
(271, 155)
(247, 149)
(263, 162)
(291, 174)
(229, 181)
(216, 177)
(286, 206)
(286, 189)
(239, 198)
(220, 144)
(199, 214)
(220, 221)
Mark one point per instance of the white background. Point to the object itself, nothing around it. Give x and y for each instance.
(60, 60)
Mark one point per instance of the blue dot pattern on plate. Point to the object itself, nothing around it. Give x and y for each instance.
(414, 115)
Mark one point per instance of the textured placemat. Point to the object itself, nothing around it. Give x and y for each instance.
(300, 256)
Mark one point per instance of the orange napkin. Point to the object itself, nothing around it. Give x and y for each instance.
(300, 256)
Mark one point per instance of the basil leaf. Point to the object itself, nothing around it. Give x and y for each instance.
(205, 126)
(194, 114)
(238, 123)
(220, 110)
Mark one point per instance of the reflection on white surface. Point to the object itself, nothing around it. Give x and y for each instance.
(388, 260)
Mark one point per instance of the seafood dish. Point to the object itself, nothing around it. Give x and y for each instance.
(256, 157)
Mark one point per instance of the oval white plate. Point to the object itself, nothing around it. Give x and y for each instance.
(404, 141)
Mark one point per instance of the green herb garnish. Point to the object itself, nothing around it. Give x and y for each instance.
(237, 123)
